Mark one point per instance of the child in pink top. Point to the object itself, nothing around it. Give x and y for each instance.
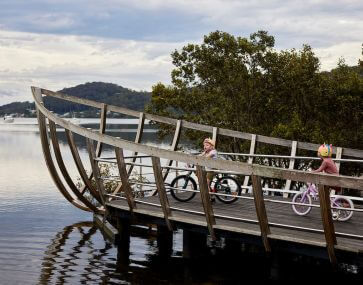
(328, 166)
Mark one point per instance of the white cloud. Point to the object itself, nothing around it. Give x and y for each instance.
(91, 43)
(55, 62)
(330, 56)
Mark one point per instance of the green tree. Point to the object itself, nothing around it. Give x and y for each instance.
(244, 84)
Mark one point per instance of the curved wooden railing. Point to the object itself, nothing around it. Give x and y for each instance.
(78, 198)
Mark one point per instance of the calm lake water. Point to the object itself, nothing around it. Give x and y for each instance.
(46, 240)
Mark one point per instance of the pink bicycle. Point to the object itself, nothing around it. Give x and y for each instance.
(338, 204)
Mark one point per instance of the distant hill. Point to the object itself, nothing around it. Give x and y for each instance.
(108, 93)
(17, 108)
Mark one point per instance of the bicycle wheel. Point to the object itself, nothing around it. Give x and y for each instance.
(227, 185)
(181, 186)
(301, 210)
(342, 202)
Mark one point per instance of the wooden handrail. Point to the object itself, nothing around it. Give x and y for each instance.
(240, 167)
(247, 136)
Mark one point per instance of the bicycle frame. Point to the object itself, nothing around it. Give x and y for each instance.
(339, 212)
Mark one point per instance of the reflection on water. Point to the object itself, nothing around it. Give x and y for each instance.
(79, 255)
(43, 242)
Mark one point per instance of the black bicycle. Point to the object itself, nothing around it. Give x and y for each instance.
(184, 187)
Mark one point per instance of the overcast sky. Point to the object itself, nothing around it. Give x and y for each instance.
(62, 43)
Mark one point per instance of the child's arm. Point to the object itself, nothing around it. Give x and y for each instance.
(322, 167)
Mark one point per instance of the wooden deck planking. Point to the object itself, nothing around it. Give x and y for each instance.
(277, 213)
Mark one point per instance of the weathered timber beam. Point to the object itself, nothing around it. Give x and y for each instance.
(174, 146)
(160, 186)
(48, 157)
(207, 205)
(124, 178)
(99, 144)
(96, 171)
(326, 216)
(63, 169)
(291, 166)
(261, 211)
(249, 161)
(214, 136)
(80, 167)
(140, 129)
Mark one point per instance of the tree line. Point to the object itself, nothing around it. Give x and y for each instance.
(245, 84)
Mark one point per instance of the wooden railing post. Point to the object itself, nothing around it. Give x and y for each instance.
(339, 156)
(326, 215)
(249, 161)
(204, 192)
(173, 147)
(99, 144)
(140, 129)
(291, 166)
(80, 167)
(160, 186)
(64, 171)
(96, 171)
(124, 177)
(261, 211)
(214, 136)
(102, 128)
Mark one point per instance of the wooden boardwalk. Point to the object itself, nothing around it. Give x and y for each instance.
(255, 219)
(280, 218)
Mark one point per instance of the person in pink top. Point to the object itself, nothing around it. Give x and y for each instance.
(325, 152)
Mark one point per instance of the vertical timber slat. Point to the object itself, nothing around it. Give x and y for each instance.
(99, 144)
(140, 129)
(249, 161)
(173, 146)
(204, 192)
(96, 171)
(63, 169)
(47, 154)
(326, 215)
(261, 211)
(338, 156)
(214, 136)
(291, 166)
(124, 177)
(80, 167)
(160, 186)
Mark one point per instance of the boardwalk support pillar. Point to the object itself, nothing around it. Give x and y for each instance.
(194, 244)
(164, 241)
(123, 248)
